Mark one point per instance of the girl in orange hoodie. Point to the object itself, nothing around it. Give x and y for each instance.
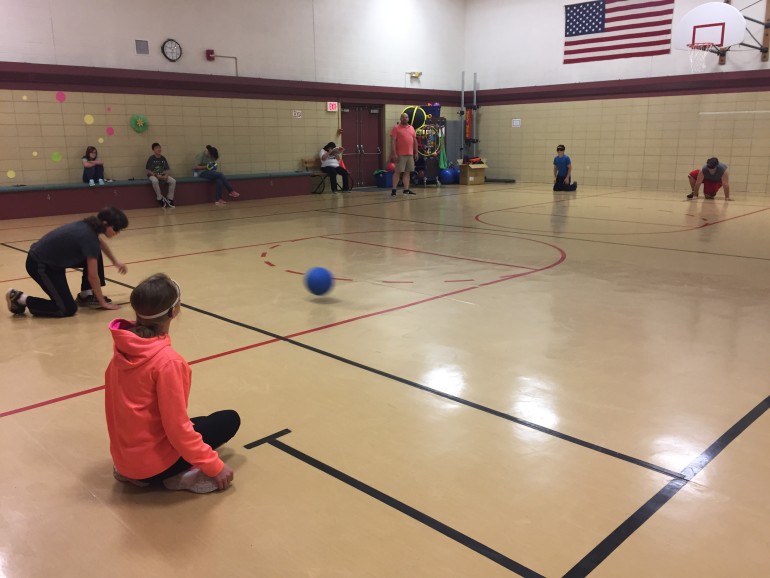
(152, 439)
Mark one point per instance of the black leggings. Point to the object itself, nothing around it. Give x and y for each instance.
(53, 280)
(215, 429)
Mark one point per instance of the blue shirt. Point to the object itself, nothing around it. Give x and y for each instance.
(561, 164)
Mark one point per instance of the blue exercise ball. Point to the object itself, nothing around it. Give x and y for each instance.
(446, 177)
(319, 280)
(455, 176)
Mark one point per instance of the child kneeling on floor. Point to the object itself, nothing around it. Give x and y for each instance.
(152, 439)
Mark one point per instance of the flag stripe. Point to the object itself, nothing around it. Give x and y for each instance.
(664, 33)
(661, 43)
(617, 56)
(613, 29)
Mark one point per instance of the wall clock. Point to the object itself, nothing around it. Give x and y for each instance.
(172, 50)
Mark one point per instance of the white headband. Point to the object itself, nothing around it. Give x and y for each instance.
(162, 313)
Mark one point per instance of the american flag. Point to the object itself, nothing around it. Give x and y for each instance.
(610, 29)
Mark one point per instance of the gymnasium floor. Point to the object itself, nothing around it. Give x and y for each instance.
(505, 381)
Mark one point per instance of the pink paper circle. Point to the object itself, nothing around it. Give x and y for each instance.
(109, 109)
(61, 97)
(110, 131)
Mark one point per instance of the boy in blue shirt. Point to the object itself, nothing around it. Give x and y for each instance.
(562, 171)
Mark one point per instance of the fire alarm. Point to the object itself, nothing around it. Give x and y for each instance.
(210, 55)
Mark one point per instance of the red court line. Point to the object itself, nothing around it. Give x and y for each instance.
(562, 257)
(682, 230)
(238, 247)
(428, 252)
(50, 401)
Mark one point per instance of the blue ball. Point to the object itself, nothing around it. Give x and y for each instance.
(446, 177)
(455, 175)
(319, 280)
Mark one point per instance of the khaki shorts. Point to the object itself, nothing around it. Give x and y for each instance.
(405, 164)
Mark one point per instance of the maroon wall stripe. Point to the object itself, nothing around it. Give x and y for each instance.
(25, 76)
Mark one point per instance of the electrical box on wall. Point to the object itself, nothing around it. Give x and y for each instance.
(210, 55)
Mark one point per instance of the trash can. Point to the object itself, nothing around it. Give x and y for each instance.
(384, 179)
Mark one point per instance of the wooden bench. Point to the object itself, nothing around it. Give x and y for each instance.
(22, 201)
(312, 166)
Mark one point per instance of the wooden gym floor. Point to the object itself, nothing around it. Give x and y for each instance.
(504, 381)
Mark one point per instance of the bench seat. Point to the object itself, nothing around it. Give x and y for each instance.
(24, 201)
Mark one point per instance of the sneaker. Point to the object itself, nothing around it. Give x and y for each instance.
(123, 479)
(12, 300)
(711, 197)
(691, 196)
(408, 192)
(101, 181)
(90, 301)
(574, 186)
(193, 480)
(170, 204)
(392, 192)
(220, 202)
(234, 195)
(91, 183)
(162, 202)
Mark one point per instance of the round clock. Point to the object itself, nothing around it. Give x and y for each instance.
(172, 50)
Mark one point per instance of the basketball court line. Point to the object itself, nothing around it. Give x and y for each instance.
(681, 230)
(550, 216)
(514, 231)
(613, 541)
(398, 505)
(274, 337)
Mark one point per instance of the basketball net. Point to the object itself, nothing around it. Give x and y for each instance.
(698, 54)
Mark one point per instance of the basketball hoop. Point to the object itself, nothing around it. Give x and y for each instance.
(698, 54)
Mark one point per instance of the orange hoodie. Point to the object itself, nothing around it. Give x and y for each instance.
(145, 399)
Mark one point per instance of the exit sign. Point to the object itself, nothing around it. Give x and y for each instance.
(332, 106)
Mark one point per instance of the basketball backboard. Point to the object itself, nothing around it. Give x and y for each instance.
(715, 23)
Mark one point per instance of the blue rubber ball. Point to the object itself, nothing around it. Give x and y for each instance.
(446, 177)
(319, 280)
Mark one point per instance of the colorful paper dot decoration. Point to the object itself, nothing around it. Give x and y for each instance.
(34, 153)
(24, 97)
(139, 123)
(109, 109)
(11, 174)
(61, 97)
(110, 131)
(100, 140)
(56, 156)
(88, 119)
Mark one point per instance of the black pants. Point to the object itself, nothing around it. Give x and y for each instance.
(215, 429)
(93, 173)
(333, 172)
(559, 185)
(53, 280)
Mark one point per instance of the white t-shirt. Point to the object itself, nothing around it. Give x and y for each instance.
(331, 161)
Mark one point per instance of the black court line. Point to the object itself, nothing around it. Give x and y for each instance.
(400, 506)
(488, 410)
(635, 521)
(459, 400)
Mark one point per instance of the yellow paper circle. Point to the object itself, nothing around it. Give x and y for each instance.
(11, 174)
(24, 97)
(88, 119)
(34, 153)
(100, 140)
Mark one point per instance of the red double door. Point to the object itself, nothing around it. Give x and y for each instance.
(362, 126)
